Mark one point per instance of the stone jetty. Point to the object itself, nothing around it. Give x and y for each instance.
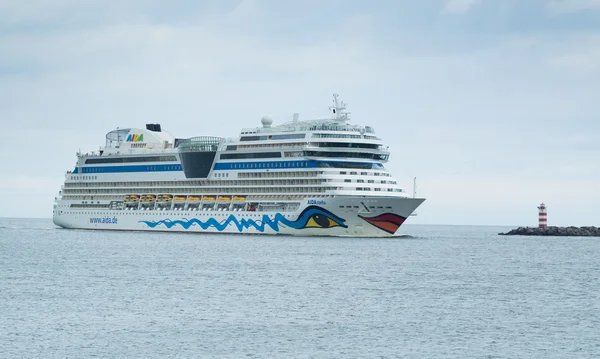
(555, 231)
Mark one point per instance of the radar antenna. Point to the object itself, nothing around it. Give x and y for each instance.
(339, 109)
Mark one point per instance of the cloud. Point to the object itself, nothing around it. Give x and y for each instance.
(584, 62)
(583, 56)
(459, 6)
(571, 6)
(132, 65)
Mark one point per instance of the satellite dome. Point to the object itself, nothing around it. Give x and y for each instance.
(266, 121)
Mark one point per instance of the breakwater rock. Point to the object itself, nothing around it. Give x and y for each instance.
(555, 231)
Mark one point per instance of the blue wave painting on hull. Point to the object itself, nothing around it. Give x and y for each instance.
(311, 217)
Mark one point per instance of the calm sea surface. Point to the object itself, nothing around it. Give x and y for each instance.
(440, 292)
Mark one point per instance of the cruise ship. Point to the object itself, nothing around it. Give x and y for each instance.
(323, 177)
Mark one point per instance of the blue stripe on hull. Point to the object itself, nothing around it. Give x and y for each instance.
(259, 165)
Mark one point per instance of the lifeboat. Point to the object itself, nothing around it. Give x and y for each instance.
(132, 198)
(224, 198)
(179, 198)
(193, 198)
(239, 198)
(208, 198)
(164, 198)
(148, 198)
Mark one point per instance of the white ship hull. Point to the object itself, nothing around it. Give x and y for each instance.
(333, 216)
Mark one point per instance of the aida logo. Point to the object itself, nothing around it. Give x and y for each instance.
(135, 138)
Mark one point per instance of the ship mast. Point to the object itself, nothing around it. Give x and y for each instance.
(339, 109)
(414, 214)
(415, 187)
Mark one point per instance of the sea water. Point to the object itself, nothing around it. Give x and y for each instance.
(437, 292)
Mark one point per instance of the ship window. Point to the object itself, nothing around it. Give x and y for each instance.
(273, 137)
(340, 154)
(348, 145)
(327, 164)
(130, 159)
(232, 156)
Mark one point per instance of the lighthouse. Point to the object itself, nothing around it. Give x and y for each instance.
(543, 216)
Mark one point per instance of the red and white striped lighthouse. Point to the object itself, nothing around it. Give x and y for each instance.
(543, 216)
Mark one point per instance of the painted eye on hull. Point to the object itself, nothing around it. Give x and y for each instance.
(317, 217)
(320, 221)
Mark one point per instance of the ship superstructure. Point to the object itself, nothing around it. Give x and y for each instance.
(316, 177)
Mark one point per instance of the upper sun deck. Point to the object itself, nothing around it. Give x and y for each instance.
(133, 141)
(336, 123)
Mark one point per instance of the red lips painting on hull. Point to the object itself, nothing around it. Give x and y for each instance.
(388, 222)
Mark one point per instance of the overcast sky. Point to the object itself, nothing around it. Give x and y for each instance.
(494, 105)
